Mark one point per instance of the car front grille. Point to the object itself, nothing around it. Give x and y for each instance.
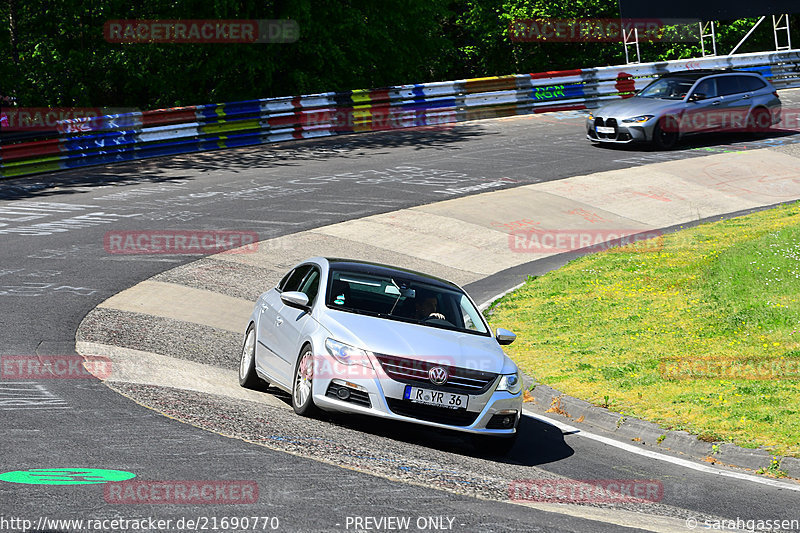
(415, 372)
(430, 413)
(611, 123)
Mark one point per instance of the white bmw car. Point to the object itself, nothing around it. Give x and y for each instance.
(356, 337)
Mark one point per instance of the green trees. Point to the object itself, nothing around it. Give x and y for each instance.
(54, 52)
(59, 56)
(488, 49)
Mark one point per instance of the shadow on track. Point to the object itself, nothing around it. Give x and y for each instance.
(538, 442)
(184, 167)
(734, 141)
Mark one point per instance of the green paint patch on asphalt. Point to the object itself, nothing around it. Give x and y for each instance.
(65, 476)
(699, 331)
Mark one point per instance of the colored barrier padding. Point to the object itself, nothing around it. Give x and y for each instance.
(80, 142)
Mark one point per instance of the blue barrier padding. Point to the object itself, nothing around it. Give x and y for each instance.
(574, 90)
(555, 92)
(419, 91)
(100, 158)
(101, 140)
(430, 103)
(150, 150)
(225, 137)
(765, 71)
(242, 139)
(246, 107)
(191, 141)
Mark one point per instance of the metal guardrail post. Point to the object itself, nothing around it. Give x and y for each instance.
(708, 29)
(631, 37)
(776, 27)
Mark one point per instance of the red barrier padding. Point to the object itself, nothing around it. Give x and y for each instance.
(31, 149)
(168, 116)
(556, 74)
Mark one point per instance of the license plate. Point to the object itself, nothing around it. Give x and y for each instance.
(604, 129)
(448, 400)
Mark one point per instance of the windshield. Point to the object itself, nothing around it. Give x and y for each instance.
(397, 298)
(667, 89)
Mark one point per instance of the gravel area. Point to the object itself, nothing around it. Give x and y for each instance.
(282, 253)
(164, 336)
(225, 277)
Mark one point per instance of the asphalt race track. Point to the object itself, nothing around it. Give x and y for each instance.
(55, 270)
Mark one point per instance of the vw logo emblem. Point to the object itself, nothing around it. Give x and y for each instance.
(437, 375)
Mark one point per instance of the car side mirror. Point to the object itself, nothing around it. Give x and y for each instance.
(295, 299)
(504, 336)
(696, 97)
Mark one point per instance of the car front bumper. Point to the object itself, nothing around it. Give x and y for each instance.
(622, 133)
(385, 400)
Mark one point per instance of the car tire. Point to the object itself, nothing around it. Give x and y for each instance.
(302, 390)
(494, 446)
(248, 378)
(665, 138)
(759, 121)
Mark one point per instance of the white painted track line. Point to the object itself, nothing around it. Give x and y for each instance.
(707, 469)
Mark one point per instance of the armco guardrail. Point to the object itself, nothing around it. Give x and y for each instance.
(128, 136)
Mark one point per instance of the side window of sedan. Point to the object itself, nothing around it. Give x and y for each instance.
(751, 83)
(310, 286)
(707, 88)
(728, 85)
(282, 282)
(294, 279)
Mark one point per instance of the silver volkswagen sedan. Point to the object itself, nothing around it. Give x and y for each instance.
(687, 103)
(357, 337)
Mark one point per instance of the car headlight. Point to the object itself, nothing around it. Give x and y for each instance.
(589, 116)
(346, 354)
(511, 383)
(639, 119)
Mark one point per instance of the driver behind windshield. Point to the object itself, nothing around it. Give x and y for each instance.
(426, 307)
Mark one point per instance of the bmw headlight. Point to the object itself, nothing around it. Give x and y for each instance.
(346, 354)
(589, 115)
(639, 119)
(511, 383)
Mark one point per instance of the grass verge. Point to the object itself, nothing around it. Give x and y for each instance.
(698, 331)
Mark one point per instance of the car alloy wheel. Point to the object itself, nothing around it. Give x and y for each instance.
(302, 400)
(759, 121)
(665, 133)
(247, 364)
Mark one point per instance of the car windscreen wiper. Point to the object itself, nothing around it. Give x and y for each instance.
(399, 295)
(356, 311)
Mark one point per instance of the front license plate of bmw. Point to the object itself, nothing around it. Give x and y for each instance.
(436, 398)
(605, 129)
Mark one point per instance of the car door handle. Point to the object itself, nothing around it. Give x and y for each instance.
(278, 321)
(745, 97)
(715, 103)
